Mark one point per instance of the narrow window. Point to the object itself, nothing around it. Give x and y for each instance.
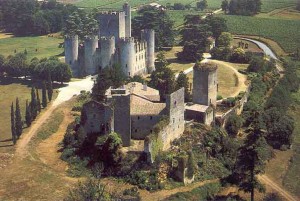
(151, 117)
(138, 117)
(136, 130)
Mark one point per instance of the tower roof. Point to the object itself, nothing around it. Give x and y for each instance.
(206, 66)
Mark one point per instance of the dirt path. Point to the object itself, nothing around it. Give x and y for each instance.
(160, 195)
(242, 78)
(266, 180)
(48, 149)
(21, 147)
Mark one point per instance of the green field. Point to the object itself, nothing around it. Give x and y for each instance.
(39, 46)
(269, 5)
(283, 31)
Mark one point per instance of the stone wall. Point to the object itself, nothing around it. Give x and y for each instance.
(71, 53)
(142, 126)
(90, 47)
(112, 24)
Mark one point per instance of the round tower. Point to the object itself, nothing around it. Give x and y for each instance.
(71, 53)
(127, 56)
(90, 47)
(107, 49)
(149, 36)
(205, 84)
(127, 10)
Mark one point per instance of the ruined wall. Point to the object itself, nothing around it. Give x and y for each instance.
(90, 46)
(143, 125)
(122, 120)
(148, 35)
(127, 55)
(99, 118)
(107, 48)
(205, 83)
(111, 24)
(71, 53)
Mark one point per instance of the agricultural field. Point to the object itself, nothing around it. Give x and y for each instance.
(283, 31)
(39, 46)
(10, 89)
(270, 5)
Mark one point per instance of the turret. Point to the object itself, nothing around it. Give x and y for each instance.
(90, 46)
(127, 10)
(149, 36)
(127, 55)
(71, 53)
(205, 84)
(107, 51)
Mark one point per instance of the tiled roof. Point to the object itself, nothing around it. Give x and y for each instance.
(142, 106)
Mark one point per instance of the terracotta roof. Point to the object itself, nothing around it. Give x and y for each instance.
(142, 106)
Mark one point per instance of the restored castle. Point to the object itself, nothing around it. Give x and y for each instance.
(113, 45)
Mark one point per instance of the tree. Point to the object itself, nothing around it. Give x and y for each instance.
(111, 150)
(201, 5)
(73, 25)
(28, 116)
(298, 5)
(33, 104)
(2, 66)
(158, 20)
(218, 25)
(238, 56)
(244, 7)
(224, 40)
(18, 121)
(191, 166)
(49, 87)
(44, 95)
(38, 101)
(101, 85)
(183, 81)
(233, 124)
(224, 6)
(12, 122)
(178, 6)
(17, 65)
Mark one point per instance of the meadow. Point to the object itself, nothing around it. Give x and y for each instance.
(269, 5)
(39, 46)
(283, 31)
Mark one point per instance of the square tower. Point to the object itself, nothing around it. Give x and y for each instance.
(205, 84)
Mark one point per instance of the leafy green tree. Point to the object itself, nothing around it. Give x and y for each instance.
(2, 66)
(33, 104)
(183, 81)
(218, 25)
(244, 7)
(224, 6)
(28, 116)
(158, 20)
(44, 95)
(38, 101)
(178, 6)
(238, 56)
(101, 85)
(111, 150)
(224, 40)
(90, 25)
(49, 87)
(191, 166)
(201, 5)
(17, 65)
(13, 124)
(163, 77)
(61, 73)
(73, 24)
(18, 121)
(234, 124)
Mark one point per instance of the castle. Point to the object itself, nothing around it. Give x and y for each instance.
(113, 45)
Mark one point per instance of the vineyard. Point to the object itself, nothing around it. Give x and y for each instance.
(285, 32)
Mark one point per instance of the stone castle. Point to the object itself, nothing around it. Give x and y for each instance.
(113, 45)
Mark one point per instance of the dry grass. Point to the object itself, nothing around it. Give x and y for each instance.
(251, 46)
(5, 35)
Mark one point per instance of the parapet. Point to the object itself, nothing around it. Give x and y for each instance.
(207, 66)
(110, 13)
(71, 37)
(127, 40)
(107, 38)
(95, 37)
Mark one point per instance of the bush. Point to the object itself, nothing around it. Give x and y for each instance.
(233, 124)
(219, 97)
(134, 191)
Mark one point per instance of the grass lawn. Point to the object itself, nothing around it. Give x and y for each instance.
(283, 31)
(269, 5)
(38, 46)
(10, 89)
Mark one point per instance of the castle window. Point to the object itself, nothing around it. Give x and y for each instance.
(175, 103)
(126, 65)
(135, 130)
(209, 101)
(151, 117)
(173, 120)
(150, 131)
(138, 117)
(70, 62)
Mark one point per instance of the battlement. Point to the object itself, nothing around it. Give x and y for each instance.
(140, 46)
(91, 37)
(207, 66)
(127, 40)
(107, 38)
(71, 37)
(115, 13)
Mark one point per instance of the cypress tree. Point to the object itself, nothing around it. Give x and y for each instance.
(13, 126)
(18, 119)
(33, 104)
(49, 87)
(28, 116)
(44, 95)
(38, 101)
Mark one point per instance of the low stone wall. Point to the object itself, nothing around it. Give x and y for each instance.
(237, 109)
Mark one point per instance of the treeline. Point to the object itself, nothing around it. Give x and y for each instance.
(241, 7)
(18, 65)
(30, 17)
(33, 108)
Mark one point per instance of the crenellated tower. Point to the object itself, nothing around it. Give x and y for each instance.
(205, 84)
(127, 55)
(149, 36)
(127, 10)
(107, 51)
(90, 47)
(71, 53)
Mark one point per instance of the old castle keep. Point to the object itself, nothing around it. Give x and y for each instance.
(113, 45)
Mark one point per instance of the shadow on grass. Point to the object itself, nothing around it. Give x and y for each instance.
(176, 60)
(27, 82)
(6, 140)
(9, 145)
